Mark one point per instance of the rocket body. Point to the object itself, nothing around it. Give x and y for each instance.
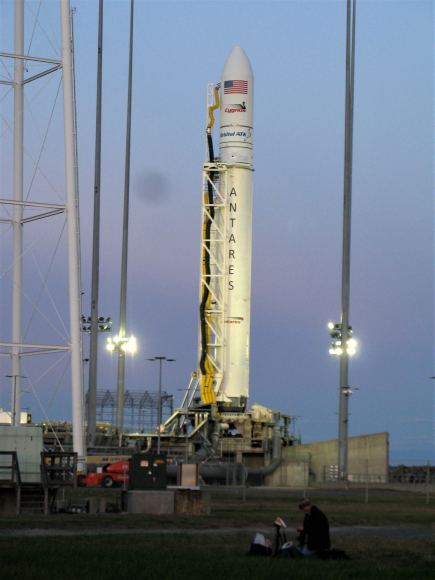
(227, 245)
(236, 127)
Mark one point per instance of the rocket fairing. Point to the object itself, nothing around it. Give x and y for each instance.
(227, 243)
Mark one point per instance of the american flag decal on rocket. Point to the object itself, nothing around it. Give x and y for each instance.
(232, 87)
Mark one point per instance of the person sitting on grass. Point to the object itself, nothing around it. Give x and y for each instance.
(314, 533)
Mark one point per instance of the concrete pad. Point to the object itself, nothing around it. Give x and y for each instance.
(8, 502)
(156, 502)
(192, 502)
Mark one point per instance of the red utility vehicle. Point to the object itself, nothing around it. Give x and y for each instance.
(112, 474)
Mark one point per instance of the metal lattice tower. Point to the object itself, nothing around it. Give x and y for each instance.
(141, 409)
(25, 211)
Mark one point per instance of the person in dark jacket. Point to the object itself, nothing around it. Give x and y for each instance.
(314, 533)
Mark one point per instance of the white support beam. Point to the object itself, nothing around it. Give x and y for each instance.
(17, 228)
(73, 233)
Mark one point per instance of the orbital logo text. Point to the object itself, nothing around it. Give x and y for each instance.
(236, 108)
(245, 134)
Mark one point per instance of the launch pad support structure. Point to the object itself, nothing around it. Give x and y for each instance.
(73, 233)
(16, 348)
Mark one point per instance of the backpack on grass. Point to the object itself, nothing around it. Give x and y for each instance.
(261, 546)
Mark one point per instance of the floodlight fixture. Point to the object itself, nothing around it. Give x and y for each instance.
(127, 344)
(336, 347)
(104, 324)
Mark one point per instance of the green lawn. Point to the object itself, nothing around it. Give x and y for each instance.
(203, 551)
(191, 556)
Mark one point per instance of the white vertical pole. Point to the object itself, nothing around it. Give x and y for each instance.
(17, 276)
(73, 237)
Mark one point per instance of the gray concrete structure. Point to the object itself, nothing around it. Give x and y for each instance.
(9, 505)
(169, 501)
(192, 502)
(316, 463)
(26, 440)
(139, 501)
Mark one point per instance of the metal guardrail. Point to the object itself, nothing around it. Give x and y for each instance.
(415, 478)
(12, 467)
(367, 478)
(59, 468)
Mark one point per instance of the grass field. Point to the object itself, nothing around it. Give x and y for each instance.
(208, 547)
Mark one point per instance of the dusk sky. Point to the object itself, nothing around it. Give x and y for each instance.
(297, 52)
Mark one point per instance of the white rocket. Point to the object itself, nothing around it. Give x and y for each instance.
(226, 243)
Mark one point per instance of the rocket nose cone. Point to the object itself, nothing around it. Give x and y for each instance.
(236, 114)
(237, 62)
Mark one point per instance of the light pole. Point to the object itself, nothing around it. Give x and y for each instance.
(93, 325)
(95, 282)
(160, 359)
(344, 346)
(124, 247)
(343, 337)
(122, 345)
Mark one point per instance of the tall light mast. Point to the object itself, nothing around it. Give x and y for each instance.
(344, 388)
(123, 341)
(93, 348)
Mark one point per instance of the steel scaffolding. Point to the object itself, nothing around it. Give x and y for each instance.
(141, 409)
